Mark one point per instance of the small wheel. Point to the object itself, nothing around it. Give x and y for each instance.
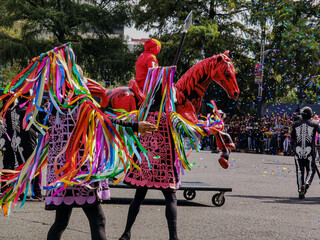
(218, 200)
(189, 194)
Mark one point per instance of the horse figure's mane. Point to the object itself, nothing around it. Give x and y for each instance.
(194, 83)
(198, 74)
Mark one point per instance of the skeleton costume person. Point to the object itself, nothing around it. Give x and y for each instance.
(19, 143)
(303, 136)
(5, 145)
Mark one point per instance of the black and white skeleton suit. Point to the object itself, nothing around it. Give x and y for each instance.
(17, 143)
(303, 137)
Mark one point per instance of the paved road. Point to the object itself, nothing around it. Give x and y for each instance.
(264, 204)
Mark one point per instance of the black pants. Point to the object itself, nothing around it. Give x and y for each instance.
(94, 214)
(304, 164)
(35, 186)
(213, 144)
(171, 211)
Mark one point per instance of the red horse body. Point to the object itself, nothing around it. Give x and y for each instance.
(190, 90)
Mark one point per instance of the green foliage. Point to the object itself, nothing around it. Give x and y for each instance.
(289, 29)
(8, 73)
(295, 36)
(215, 29)
(88, 25)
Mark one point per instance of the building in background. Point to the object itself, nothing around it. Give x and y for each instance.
(134, 42)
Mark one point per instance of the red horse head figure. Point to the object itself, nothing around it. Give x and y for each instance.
(225, 75)
(192, 86)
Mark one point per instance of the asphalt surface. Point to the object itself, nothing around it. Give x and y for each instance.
(263, 204)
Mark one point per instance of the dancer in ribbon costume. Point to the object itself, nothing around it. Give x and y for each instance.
(88, 198)
(82, 145)
(303, 136)
(78, 196)
(164, 172)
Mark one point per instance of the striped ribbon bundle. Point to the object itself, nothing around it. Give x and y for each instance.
(108, 148)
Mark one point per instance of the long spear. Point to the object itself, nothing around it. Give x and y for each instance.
(187, 24)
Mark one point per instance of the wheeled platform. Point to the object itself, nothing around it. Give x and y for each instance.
(189, 190)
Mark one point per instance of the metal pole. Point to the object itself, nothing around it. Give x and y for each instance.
(187, 24)
(261, 62)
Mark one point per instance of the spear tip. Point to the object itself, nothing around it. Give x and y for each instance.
(188, 22)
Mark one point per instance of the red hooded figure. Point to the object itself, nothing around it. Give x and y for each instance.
(147, 60)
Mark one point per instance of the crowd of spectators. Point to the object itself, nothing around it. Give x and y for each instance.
(270, 134)
(267, 135)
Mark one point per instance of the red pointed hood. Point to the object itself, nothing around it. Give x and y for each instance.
(152, 46)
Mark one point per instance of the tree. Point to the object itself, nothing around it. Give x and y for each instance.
(289, 30)
(215, 29)
(88, 25)
(8, 72)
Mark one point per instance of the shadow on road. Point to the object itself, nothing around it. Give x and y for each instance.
(287, 200)
(124, 201)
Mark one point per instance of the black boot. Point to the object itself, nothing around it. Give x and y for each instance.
(172, 225)
(125, 236)
(302, 192)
